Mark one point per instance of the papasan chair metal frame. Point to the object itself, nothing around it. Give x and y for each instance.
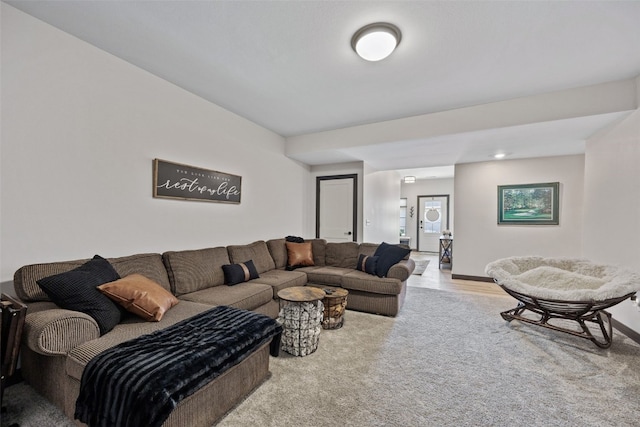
(549, 302)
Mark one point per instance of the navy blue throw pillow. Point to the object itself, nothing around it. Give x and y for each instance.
(77, 290)
(238, 273)
(389, 255)
(368, 264)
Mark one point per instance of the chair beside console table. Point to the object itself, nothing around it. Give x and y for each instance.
(13, 313)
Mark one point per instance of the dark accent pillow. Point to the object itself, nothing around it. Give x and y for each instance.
(367, 263)
(77, 290)
(389, 255)
(299, 254)
(238, 273)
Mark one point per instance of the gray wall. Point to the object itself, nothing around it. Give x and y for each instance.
(478, 238)
(612, 204)
(79, 131)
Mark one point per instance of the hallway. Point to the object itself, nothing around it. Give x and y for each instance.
(436, 278)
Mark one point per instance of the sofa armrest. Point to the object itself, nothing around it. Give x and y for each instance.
(402, 270)
(58, 331)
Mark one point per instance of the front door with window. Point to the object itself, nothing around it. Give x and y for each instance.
(433, 218)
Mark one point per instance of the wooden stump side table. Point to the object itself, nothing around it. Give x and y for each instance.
(300, 314)
(335, 303)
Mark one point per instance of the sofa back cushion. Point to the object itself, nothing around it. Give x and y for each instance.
(344, 254)
(258, 252)
(278, 250)
(26, 277)
(148, 265)
(193, 270)
(319, 248)
(367, 249)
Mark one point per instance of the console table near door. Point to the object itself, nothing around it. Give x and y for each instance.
(445, 254)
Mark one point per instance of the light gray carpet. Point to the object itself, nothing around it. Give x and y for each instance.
(448, 359)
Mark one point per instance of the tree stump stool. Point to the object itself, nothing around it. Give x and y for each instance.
(335, 303)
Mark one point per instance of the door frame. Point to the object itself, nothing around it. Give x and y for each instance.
(319, 179)
(418, 219)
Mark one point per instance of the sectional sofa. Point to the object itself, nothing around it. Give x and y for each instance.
(59, 343)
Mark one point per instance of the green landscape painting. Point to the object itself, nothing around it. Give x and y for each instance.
(535, 204)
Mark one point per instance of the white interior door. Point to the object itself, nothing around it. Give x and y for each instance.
(335, 215)
(433, 217)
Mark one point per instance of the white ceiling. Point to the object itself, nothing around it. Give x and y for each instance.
(289, 66)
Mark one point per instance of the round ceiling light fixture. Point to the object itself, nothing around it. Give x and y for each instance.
(375, 42)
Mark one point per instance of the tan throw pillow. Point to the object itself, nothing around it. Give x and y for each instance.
(299, 254)
(140, 296)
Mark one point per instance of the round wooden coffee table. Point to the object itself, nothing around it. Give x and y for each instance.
(300, 315)
(335, 302)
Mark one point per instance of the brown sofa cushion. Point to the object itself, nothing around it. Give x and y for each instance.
(367, 248)
(361, 281)
(246, 296)
(319, 248)
(193, 270)
(149, 265)
(343, 254)
(281, 279)
(278, 252)
(326, 275)
(256, 251)
(299, 254)
(140, 296)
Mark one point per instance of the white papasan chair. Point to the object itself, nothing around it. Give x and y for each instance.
(564, 288)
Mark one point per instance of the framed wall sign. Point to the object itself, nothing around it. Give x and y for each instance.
(178, 181)
(534, 204)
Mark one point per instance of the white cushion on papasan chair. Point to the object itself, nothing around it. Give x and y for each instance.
(566, 279)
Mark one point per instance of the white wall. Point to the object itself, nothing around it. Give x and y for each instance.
(612, 204)
(426, 187)
(478, 239)
(79, 131)
(381, 206)
(604, 98)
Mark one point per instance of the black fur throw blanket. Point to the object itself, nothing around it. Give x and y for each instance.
(139, 382)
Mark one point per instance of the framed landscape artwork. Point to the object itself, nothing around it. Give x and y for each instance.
(529, 204)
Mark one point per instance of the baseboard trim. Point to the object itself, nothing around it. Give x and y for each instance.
(635, 336)
(474, 278)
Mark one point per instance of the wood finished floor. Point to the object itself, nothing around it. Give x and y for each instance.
(436, 278)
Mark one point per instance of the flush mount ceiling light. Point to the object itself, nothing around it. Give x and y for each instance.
(409, 179)
(499, 156)
(375, 42)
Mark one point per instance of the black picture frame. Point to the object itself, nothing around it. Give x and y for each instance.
(529, 204)
(184, 182)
